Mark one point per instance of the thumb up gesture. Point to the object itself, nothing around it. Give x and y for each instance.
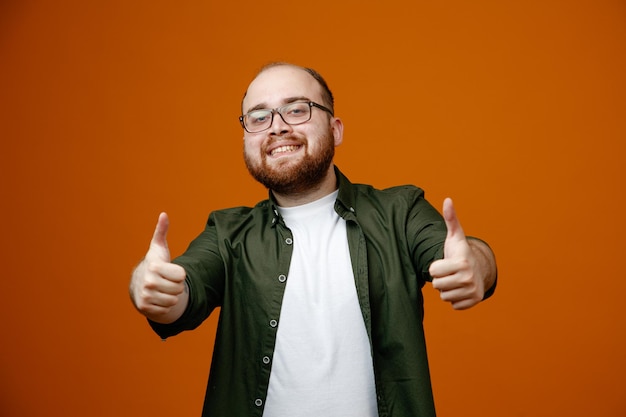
(467, 266)
(157, 286)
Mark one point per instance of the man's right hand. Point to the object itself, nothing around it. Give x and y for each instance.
(157, 287)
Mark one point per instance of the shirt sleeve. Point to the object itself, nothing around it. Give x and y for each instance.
(426, 232)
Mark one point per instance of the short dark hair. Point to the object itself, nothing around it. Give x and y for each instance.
(327, 95)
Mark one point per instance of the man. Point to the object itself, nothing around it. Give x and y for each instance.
(320, 285)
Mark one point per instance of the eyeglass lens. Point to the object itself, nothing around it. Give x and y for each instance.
(293, 114)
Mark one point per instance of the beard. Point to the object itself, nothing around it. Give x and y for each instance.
(298, 178)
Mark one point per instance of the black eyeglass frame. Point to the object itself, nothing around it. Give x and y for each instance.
(276, 110)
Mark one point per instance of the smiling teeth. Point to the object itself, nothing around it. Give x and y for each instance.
(282, 149)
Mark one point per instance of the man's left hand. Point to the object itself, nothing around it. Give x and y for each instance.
(458, 276)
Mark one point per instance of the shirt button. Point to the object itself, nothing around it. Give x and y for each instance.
(266, 359)
(282, 278)
(258, 402)
(273, 323)
(288, 241)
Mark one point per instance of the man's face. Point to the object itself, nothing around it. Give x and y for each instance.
(289, 159)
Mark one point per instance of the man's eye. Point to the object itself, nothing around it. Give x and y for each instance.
(297, 110)
(258, 117)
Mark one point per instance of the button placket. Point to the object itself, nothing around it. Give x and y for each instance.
(284, 247)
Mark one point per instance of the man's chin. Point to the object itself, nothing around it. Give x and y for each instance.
(291, 173)
(282, 162)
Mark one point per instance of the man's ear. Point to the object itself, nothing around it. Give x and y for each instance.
(337, 127)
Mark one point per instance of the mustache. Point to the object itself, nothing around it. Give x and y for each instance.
(289, 136)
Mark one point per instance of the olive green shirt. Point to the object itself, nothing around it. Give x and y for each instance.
(240, 263)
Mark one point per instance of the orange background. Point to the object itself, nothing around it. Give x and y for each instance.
(112, 111)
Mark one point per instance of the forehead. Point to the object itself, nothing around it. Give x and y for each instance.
(275, 86)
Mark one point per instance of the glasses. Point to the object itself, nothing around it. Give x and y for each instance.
(292, 114)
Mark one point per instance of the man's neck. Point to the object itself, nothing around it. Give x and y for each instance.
(325, 187)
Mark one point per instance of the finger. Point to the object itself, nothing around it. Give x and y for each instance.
(438, 284)
(155, 300)
(452, 292)
(455, 231)
(160, 231)
(443, 268)
(460, 300)
(447, 282)
(158, 245)
(453, 288)
(169, 271)
(164, 286)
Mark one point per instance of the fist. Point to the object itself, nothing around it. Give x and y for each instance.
(157, 285)
(457, 276)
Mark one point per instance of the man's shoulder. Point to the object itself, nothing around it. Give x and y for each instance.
(239, 210)
(230, 217)
(407, 190)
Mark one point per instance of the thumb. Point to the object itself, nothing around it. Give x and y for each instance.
(159, 239)
(455, 231)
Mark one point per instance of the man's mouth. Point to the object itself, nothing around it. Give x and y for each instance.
(283, 149)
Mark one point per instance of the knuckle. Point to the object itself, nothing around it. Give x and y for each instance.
(150, 283)
(153, 266)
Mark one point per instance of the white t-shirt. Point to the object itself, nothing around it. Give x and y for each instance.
(322, 365)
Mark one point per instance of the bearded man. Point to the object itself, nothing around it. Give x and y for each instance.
(319, 286)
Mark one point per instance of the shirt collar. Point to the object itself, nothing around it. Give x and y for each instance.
(346, 197)
(344, 206)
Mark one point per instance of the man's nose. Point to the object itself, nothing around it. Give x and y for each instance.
(279, 126)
